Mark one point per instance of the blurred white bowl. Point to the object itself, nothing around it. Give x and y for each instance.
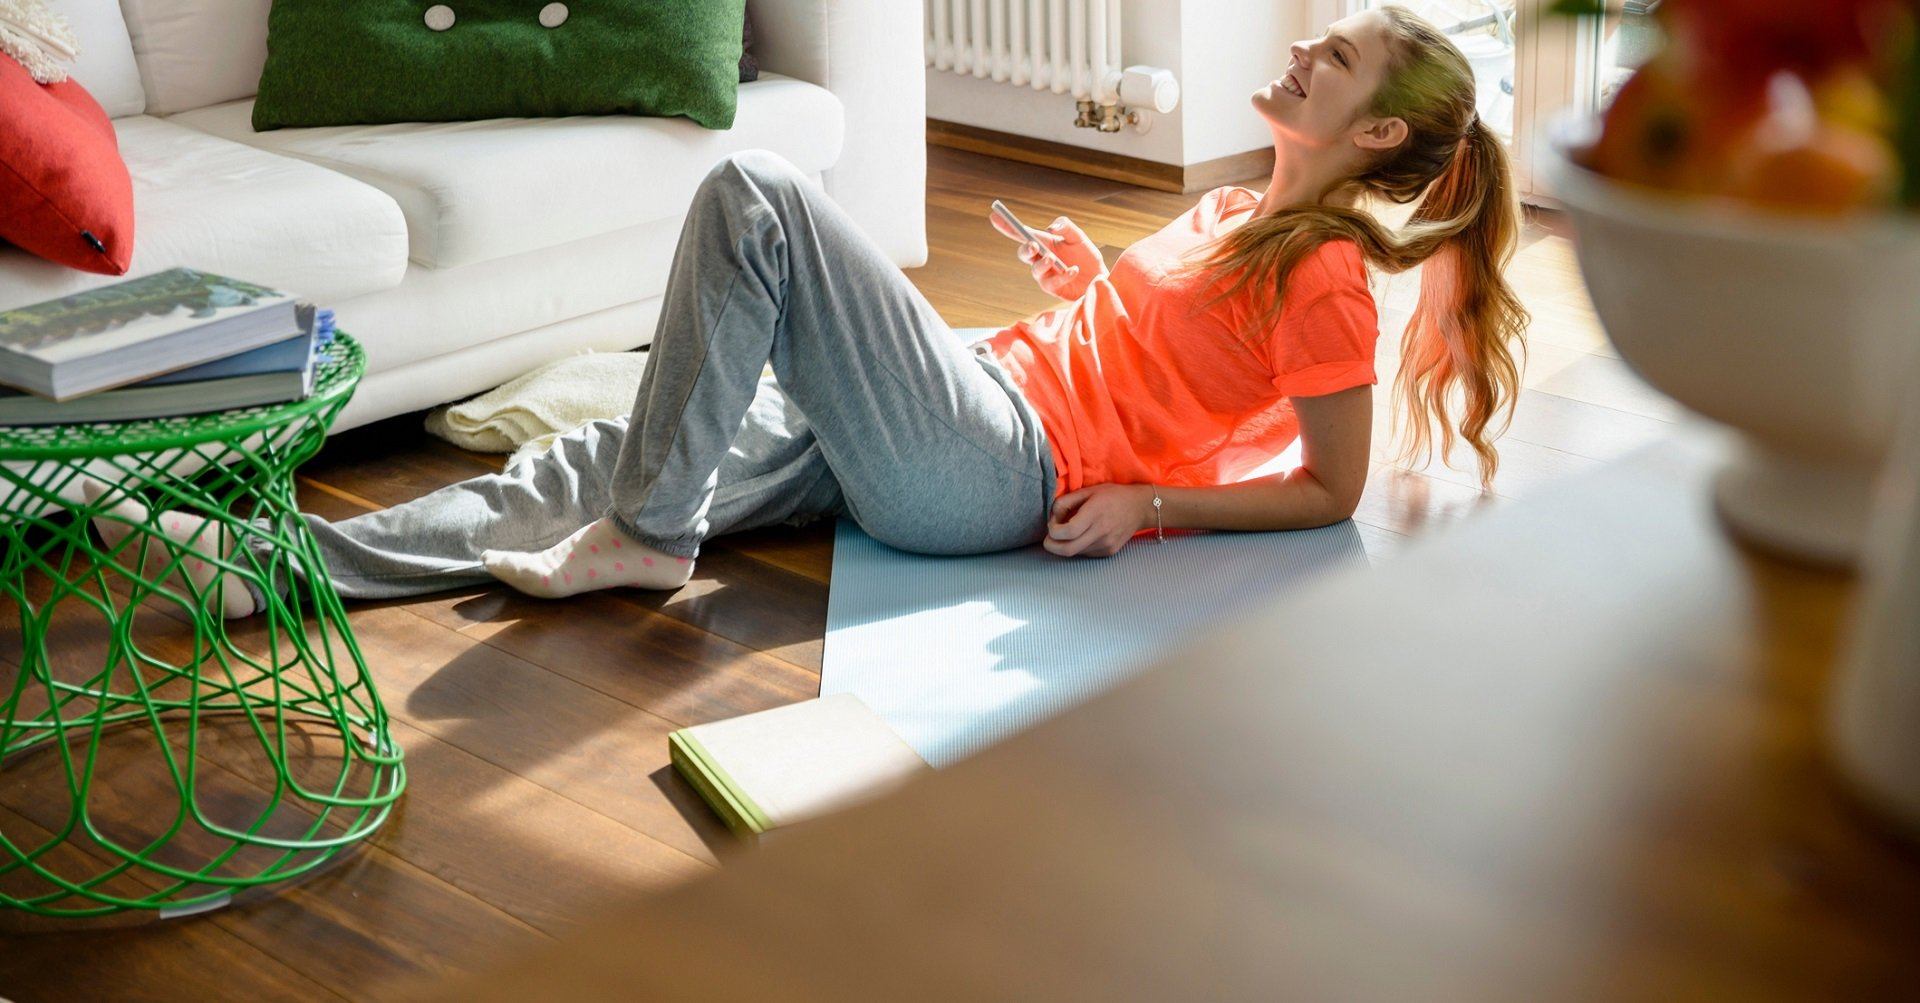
(1795, 331)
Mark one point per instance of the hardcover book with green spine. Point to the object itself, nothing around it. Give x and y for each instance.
(776, 767)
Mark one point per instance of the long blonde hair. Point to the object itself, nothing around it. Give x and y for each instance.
(1468, 325)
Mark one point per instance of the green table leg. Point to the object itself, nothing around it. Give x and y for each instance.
(284, 676)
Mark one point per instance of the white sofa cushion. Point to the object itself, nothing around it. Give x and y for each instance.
(480, 367)
(434, 311)
(233, 210)
(476, 191)
(105, 66)
(194, 53)
(438, 311)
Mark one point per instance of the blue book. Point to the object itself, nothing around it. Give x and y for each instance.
(286, 356)
(294, 354)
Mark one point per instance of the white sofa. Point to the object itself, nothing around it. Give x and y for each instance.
(463, 254)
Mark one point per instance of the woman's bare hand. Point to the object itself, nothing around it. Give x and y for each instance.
(1097, 521)
(1072, 246)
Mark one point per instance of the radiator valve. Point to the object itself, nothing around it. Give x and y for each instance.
(1130, 95)
(1148, 87)
(1104, 117)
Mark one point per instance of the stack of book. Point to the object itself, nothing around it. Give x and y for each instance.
(177, 342)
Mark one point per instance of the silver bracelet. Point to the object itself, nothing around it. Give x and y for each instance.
(1159, 531)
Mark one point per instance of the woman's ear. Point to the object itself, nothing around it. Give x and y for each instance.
(1381, 134)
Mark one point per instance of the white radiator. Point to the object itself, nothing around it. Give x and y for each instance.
(1063, 46)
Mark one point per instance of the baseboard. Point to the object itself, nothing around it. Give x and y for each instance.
(1253, 165)
(1101, 164)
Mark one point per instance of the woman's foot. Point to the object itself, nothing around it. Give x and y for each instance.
(597, 557)
(183, 537)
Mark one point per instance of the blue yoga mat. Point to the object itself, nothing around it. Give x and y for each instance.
(957, 653)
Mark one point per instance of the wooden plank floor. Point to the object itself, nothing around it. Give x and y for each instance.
(535, 731)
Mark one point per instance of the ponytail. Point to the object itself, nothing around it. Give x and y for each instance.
(1468, 323)
(1460, 344)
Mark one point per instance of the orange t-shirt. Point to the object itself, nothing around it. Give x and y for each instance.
(1135, 386)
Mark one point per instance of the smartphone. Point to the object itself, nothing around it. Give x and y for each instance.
(1006, 215)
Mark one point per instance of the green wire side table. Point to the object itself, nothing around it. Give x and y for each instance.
(155, 759)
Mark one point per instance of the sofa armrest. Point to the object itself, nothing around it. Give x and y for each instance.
(870, 54)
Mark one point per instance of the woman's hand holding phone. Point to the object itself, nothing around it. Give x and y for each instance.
(1070, 245)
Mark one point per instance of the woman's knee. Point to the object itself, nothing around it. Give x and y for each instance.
(763, 171)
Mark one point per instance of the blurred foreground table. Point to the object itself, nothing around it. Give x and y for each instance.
(1570, 749)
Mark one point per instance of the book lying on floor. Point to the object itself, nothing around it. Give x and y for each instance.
(134, 330)
(272, 374)
(776, 767)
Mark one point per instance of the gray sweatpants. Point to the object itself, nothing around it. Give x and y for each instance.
(875, 410)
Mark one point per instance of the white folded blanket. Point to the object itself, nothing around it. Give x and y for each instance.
(525, 415)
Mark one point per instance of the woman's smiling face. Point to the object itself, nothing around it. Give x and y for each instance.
(1330, 82)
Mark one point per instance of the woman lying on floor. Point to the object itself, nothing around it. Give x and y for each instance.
(1202, 355)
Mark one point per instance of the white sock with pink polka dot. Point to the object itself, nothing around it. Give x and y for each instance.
(597, 557)
(184, 538)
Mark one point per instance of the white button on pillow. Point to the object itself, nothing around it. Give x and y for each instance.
(439, 17)
(553, 15)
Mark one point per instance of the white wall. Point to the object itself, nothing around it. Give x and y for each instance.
(1221, 50)
(1233, 48)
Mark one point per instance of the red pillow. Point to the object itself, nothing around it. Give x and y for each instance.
(64, 191)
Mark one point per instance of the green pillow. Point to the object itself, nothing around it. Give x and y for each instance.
(349, 62)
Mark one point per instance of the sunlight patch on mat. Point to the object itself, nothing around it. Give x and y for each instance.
(956, 653)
